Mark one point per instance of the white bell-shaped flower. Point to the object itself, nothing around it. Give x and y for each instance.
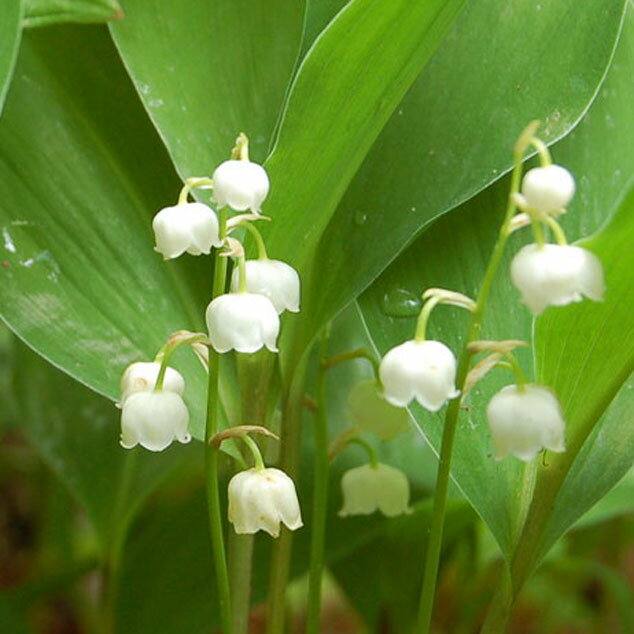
(525, 421)
(556, 275)
(371, 412)
(548, 189)
(424, 370)
(370, 488)
(273, 278)
(141, 377)
(154, 420)
(244, 322)
(241, 185)
(191, 227)
(261, 499)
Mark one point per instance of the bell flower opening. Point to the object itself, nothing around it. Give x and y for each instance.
(262, 500)
(186, 227)
(154, 420)
(421, 370)
(371, 488)
(244, 322)
(524, 420)
(556, 275)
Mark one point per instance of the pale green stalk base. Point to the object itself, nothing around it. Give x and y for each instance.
(289, 462)
(240, 562)
(320, 498)
(211, 455)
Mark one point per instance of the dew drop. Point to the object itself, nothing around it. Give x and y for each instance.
(360, 218)
(400, 303)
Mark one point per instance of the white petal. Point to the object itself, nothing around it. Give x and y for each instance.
(141, 377)
(275, 279)
(244, 322)
(154, 419)
(425, 370)
(548, 189)
(240, 184)
(522, 422)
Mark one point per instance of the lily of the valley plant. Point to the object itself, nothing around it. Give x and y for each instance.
(244, 316)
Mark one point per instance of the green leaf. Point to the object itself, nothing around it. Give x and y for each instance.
(449, 137)
(210, 69)
(76, 433)
(453, 254)
(81, 174)
(46, 12)
(10, 32)
(586, 351)
(348, 85)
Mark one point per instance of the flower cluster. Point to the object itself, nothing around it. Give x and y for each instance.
(523, 418)
(245, 319)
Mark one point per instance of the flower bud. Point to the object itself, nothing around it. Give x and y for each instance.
(556, 275)
(259, 499)
(191, 227)
(523, 421)
(424, 370)
(244, 322)
(154, 420)
(371, 412)
(240, 184)
(141, 377)
(369, 488)
(275, 279)
(548, 189)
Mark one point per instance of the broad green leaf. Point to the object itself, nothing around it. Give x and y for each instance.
(348, 85)
(453, 254)
(80, 281)
(45, 12)
(449, 137)
(587, 352)
(210, 69)
(10, 32)
(76, 433)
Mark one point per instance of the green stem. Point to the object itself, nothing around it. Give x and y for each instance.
(242, 275)
(359, 353)
(211, 454)
(558, 232)
(167, 351)
(259, 240)
(423, 318)
(289, 462)
(516, 368)
(192, 183)
(320, 497)
(240, 564)
(453, 410)
(542, 150)
(255, 451)
(371, 451)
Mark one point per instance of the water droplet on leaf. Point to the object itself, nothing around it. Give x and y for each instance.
(400, 302)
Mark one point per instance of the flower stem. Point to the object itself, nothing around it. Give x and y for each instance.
(259, 240)
(242, 275)
(240, 564)
(289, 462)
(320, 495)
(211, 453)
(167, 351)
(255, 451)
(351, 355)
(371, 451)
(558, 232)
(423, 318)
(453, 410)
